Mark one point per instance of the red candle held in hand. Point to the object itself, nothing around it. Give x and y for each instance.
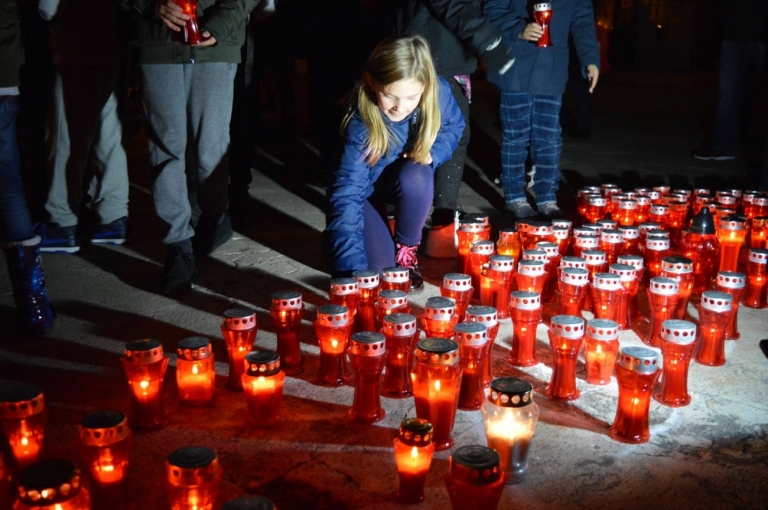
(566, 333)
(239, 331)
(542, 13)
(263, 385)
(191, 32)
(287, 311)
(472, 338)
(678, 339)
(413, 456)
(601, 344)
(637, 371)
(367, 355)
(401, 335)
(145, 364)
(22, 420)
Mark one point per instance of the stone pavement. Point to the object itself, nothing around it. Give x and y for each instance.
(710, 454)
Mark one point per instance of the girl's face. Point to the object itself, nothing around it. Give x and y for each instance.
(397, 100)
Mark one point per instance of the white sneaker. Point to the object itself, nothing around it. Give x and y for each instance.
(442, 242)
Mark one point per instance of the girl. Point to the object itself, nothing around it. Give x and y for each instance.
(401, 124)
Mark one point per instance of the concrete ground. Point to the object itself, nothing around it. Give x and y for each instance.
(710, 454)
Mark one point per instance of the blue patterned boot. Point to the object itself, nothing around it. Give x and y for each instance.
(28, 282)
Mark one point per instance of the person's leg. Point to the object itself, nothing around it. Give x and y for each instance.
(377, 240)
(546, 146)
(734, 61)
(515, 113)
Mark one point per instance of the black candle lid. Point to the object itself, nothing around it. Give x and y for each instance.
(194, 348)
(192, 465)
(192, 457)
(48, 482)
(475, 465)
(510, 392)
(103, 428)
(240, 318)
(144, 351)
(415, 432)
(264, 363)
(367, 343)
(250, 503)
(437, 351)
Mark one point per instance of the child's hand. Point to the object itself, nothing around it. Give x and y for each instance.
(593, 73)
(172, 15)
(532, 32)
(410, 156)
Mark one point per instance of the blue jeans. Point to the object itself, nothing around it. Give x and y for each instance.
(15, 222)
(530, 120)
(741, 64)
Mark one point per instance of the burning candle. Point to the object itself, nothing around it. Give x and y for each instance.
(595, 261)
(395, 278)
(368, 288)
(636, 371)
(731, 232)
(474, 480)
(562, 223)
(263, 383)
(367, 353)
(144, 365)
(531, 276)
(606, 291)
(612, 243)
(468, 232)
(573, 284)
(525, 308)
(239, 331)
(401, 334)
(538, 232)
(389, 302)
(287, 311)
(552, 260)
(499, 274)
(759, 207)
(436, 384)
(195, 371)
(22, 418)
(758, 232)
(601, 343)
(637, 262)
(413, 456)
(509, 244)
(655, 250)
(757, 278)
(659, 214)
(542, 13)
(563, 237)
(472, 338)
(479, 254)
(345, 291)
(332, 328)
(596, 208)
(663, 294)
(678, 339)
(715, 311)
(735, 285)
(488, 316)
(250, 503)
(626, 214)
(643, 209)
(566, 333)
(571, 261)
(583, 242)
(676, 221)
(510, 416)
(105, 439)
(631, 238)
(679, 269)
(458, 286)
(193, 478)
(439, 317)
(52, 485)
(629, 282)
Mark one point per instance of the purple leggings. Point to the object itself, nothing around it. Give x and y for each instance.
(409, 186)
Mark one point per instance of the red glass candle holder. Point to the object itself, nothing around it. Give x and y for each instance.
(395, 278)
(509, 244)
(488, 316)
(631, 238)
(758, 231)
(22, 417)
(105, 440)
(734, 284)
(474, 480)
(655, 250)
(525, 308)
(436, 385)
(703, 249)
(510, 416)
(573, 287)
(193, 478)
(389, 302)
(263, 383)
(458, 287)
(538, 232)
(571, 261)
(757, 278)
(468, 233)
(239, 332)
(52, 485)
(439, 318)
(287, 310)
(636, 371)
(644, 228)
(731, 232)
(413, 457)
(401, 335)
(191, 31)
(498, 275)
(195, 371)
(367, 354)
(663, 295)
(629, 282)
(333, 327)
(542, 13)
(676, 221)
(552, 261)
(678, 339)
(368, 284)
(472, 338)
(679, 269)
(601, 343)
(715, 311)
(725, 198)
(643, 209)
(658, 214)
(638, 263)
(582, 201)
(606, 291)
(700, 201)
(626, 214)
(566, 334)
(759, 206)
(531, 275)
(594, 262)
(5, 482)
(144, 365)
(535, 254)
(597, 208)
(607, 224)
(345, 292)
(479, 254)
(584, 242)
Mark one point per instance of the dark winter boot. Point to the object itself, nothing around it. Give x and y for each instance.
(28, 283)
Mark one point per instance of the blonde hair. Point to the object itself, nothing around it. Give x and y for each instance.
(395, 59)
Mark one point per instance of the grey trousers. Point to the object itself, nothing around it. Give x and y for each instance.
(188, 108)
(84, 123)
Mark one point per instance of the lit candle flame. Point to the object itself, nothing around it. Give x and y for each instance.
(24, 441)
(194, 369)
(437, 385)
(144, 384)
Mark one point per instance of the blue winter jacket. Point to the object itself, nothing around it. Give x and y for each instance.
(544, 70)
(354, 180)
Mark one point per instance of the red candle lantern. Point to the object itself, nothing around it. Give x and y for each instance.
(345, 292)
(758, 232)
(191, 31)
(643, 209)
(480, 218)
(573, 287)
(676, 221)
(562, 223)
(636, 371)
(658, 214)
(239, 332)
(731, 232)
(22, 418)
(436, 384)
(542, 13)
(612, 243)
(759, 207)
(488, 316)
(263, 383)
(287, 311)
(746, 203)
(195, 371)
(655, 250)
(468, 233)
(715, 311)
(250, 503)
(472, 338)
(637, 262)
(595, 262)
(458, 286)
(535, 254)
(389, 302)
(734, 284)
(655, 196)
(509, 244)
(498, 274)
(679, 269)
(629, 282)
(662, 300)
(395, 278)
(193, 478)
(401, 334)
(571, 261)
(601, 343)
(585, 242)
(531, 276)
(563, 236)
(606, 291)
(105, 439)
(52, 485)
(596, 209)
(700, 244)
(678, 339)
(332, 328)
(525, 308)
(5, 482)
(631, 238)
(538, 232)
(725, 198)
(626, 214)
(367, 355)
(702, 202)
(413, 456)
(439, 318)
(757, 279)
(368, 289)
(606, 224)
(474, 480)
(566, 334)
(145, 364)
(582, 201)
(479, 254)
(644, 228)
(552, 260)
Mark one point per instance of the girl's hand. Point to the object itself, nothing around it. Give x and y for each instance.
(532, 32)
(172, 15)
(593, 73)
(410, 156)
